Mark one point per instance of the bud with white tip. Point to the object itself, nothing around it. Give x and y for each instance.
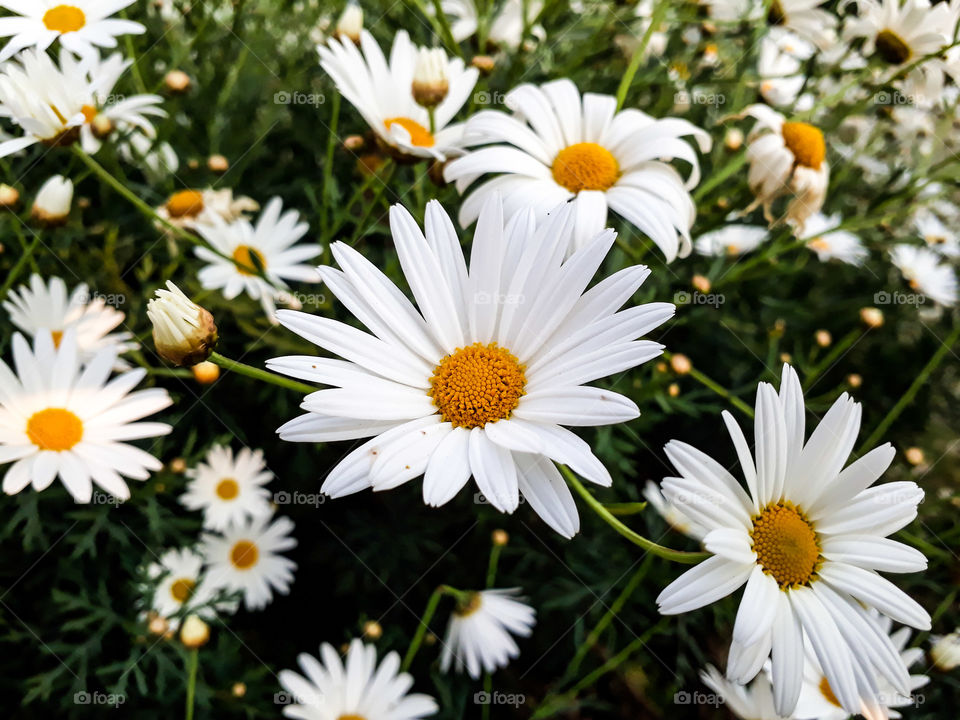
(430, 82)
(350, 24)
(183, 332)
(52, 204)
(194, 632)
(945, 650)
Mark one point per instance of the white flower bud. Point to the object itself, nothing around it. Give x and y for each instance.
(183, 332)
(350, 24)
(52, 204)
(430, 83)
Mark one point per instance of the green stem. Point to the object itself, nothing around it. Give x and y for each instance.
(492, 565)
(627, 508)
(488, 689)
(258, 374)
(680, 556)
(639, 52)
(912, 391)
(717, 388)
(835, 352)
(18, 268)
(428, 614)
(194, 663)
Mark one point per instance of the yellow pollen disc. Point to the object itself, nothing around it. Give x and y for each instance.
(477, 384)
(786, 544)
(182, 589)
(54, 429)
(244, 255)
(585, 166)
(57, 336)
(89, 113)
(228, 489)
(419, 135)
(244, 555)
(827, 693)
(470, 607)
(806, 143)
(64, 19)
(892, 48)
(186, 203)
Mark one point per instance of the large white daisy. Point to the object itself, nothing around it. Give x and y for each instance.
(229, 490)
(808, 538)
(264, 255)
(59, 418)
(480, 380)
(382, 93)
(560, 147)
(81, 25)
(359, 689)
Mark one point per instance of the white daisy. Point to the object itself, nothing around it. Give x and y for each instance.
(47, 306)
(780, 67)
(180, 588)
(830, 244)
(731, 240)
(383, 94)
(672, 515)
(924, 270)
(359, 689)
(786, 158)
(81, 25)
(748, 702)
(480, 634)
(506, 29)
(807, 540)
(945, 650)
(60, 105)
(264, 255)
(806, 19)
(559, 147)
(246, 558)
(482, 378)
(190, 208)
(229, 490)
(936, 234)
(58, 418)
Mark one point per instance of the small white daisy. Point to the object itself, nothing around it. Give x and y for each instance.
(382, 93)
(926, 273)
(780, 66)
(805, 18)
(945, 650)
(482, 378)
(229, 490)
(47, 306)
(506, 29)
(247, 558)
(60, 105)
(190, 208)
(81, 25)
(731, 240)
(747, 702)
(808, 539)
(359, 689)
(936, 234)
(59, 418)
(831, 244)
(560, 147)
(264, 255)
(180, 588)
(480, 634)
(672, 515)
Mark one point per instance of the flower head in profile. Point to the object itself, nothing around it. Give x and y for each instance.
(670, 513)
(823, 236)
(59, 418)
(358, 688)
(506, 27)
(482, 378)
(808, 538)
(559, 147)
(384, 94)
(183, 332)
(926, 273)
(51, 206)
(731, 240)
(190, 208)
(229, 489)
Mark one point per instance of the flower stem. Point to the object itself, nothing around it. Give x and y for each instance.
(18, 268)
(192, 666)
(680, 556)
(495, 551)
(659, 11)
(428, 614)
(258, 374)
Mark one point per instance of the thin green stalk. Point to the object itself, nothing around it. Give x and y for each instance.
(835, 352)
(193, 664)
(680, 556)
(717, 388)
(912, 391)
(638, 53)
(488, 689)
(495, 551)
(627, 508)
(258, 374)
(720, 176)
(428, 614)
(22, 262)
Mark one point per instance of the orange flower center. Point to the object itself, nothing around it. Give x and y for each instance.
(419, 135)
(54, 429)
(786, 544)
(585, 166)
(89, 113)
(182, 589)
(477, 384)
(186, 203)
(64, 19)
(228, 489)
(244, 555)
(249, 260)
(806, 143)
(892, 48)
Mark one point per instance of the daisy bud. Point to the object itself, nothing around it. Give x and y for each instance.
(194, 633)
(945, 651)
(218, 164)
(430, 84)
(183, 332)
(350, 24)
(9, 196)
(786, 358)
(372, 629)
(205, 373)
(681, 364)
(483, 63)
(854, 380)
(823, 338)
(353, 142)
(661, 367)
(701, 283)
(871, 317)
(500, 537)
(52, 204)
(914, 455)
(158, 625)
(238, 690)
(177, 81)
(733, 140)
(674, 390)
(178, 466)
(102, 126)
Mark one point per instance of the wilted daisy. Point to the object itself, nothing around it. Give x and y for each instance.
(47, 306)
(506, 28)
(673, 516)
(480, 380)
(481, 630)
(382, 93)
(945, 650)
(559, 147)
(51, 207)
(190, 208)
(829, 243)
(181, 587)
(263, 255)
(229, 490)
(786, 159)
(61, 419)
(58, 105)
(807, 538)
(81, 25)
(926, 273)
(360, 689)
(247, 558)
(731, 240)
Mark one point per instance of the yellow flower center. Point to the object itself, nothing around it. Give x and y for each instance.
(244, 555)
(64, 19)
(585, 166)
(477, 384)
(228, 489)
(54, 429)
(57, 336)
(892, 48)
(465, 609)
(182, 589)
(786, 544)
(806, 143)
(249, 260)
(828, 694)
(186, 203)
(419, 135)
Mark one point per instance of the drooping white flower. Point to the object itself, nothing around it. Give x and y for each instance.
(671, 514)
(926, 273)
(731, 240)
(829, 243)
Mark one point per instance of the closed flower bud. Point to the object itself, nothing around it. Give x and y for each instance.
(945, 651)
(177, 81)
(350, 24)
(353, 142)
(871, 317)
(9, 196)
(218, 164)
(681, 364)
(101, 126)
(157, 625)
(483, 63)
(914, 455)
(195, 632)
(183, 332)
(205, 373)
(674, 390)
(733, 140)
(701, 283)
(372, 630)
(854, 380)
(823, 338)
(500, 537)
(52, 204)
(238, 690)
(430, 83)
